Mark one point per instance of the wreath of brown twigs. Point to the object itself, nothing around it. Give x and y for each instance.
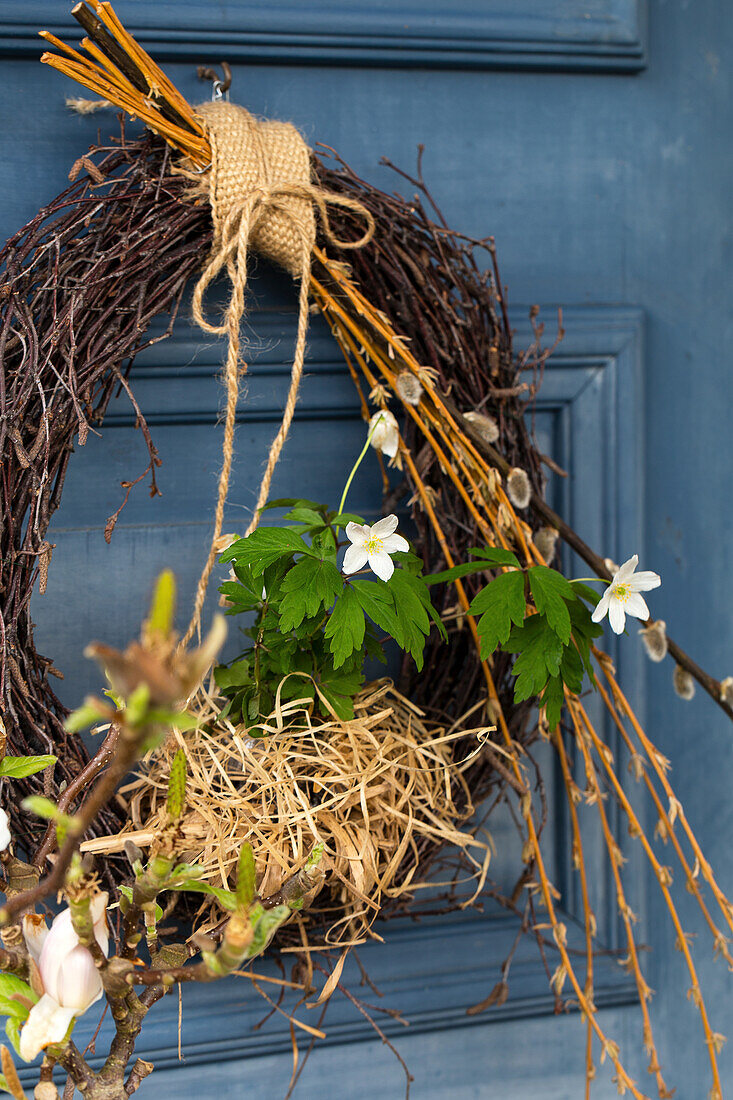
(79, 286)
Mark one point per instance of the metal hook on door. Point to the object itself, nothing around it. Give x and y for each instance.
(220, 88)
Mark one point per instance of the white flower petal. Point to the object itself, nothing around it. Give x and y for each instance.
(5, 836)
(79, 983)
(47, 1023)
(644, 581)
(98, 908)
(636, 605)
(60, 941)
(385, 527)
(384, 433)
(393, 543)
(602, 606)
(35, 931)
(355, 559)
(391, 445)
(67, 969)
(381, 564)
(357, 532)
(617, 616)
(626, 569)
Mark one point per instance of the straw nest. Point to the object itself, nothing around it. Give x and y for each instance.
(376, 791)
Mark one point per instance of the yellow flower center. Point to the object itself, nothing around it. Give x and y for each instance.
(374, 545)
(621, 592)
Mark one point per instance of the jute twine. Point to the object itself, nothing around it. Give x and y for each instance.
(262, 198)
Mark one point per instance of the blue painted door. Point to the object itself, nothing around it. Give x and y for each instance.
(595, 145)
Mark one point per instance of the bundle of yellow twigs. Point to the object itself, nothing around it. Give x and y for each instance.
(461, 392)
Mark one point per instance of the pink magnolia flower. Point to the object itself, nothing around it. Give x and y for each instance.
(70, 979)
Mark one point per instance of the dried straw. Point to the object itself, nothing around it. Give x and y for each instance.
(370, 790)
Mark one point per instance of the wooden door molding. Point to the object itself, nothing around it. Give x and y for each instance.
(585, 35)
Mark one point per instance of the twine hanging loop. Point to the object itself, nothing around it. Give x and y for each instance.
(262, 198)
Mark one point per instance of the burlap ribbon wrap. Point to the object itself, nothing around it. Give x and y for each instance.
(262, 198)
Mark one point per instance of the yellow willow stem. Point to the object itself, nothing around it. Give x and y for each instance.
(622, 905)
(588, 916)
(366, 312)
(662, 875)
(608, 1048)
(445, 464)
(653, 754)
(357, 383)
(453, 428)
(381, 325)
(720, 941)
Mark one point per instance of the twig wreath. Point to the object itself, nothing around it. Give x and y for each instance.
(290, 799)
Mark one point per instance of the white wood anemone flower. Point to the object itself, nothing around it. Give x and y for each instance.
(622, 597)
(384, 433)
(5, 836)
(69, 978)
(373, 545)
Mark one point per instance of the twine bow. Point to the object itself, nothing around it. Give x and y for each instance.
(262, 198)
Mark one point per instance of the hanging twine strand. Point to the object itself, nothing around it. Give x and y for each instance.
(261, 198)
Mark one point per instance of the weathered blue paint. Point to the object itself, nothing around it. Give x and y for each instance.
(608, 194)
(600, 35)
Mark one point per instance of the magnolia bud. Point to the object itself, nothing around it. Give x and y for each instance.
(68, 975)
(518, 487)
(654, 638)
(46, 1090)
(133, 853)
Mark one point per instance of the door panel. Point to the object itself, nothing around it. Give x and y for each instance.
(594, 155)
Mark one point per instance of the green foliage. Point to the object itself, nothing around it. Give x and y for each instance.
(226, 898)
(163, 605)
(16, 997)
(171, 719)
(488, 556)
(266, 923)
(552, 643)
(126, 902)
(312, 627)
(346, 627)
(45, 808)
(177, 785)
(539, 655)
(499, 605)
(84, 716)
(316, 855)
(12, 1030)
(310, 585)
(18, 767)
(137, 706)
(41, 807)
(245, 890)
